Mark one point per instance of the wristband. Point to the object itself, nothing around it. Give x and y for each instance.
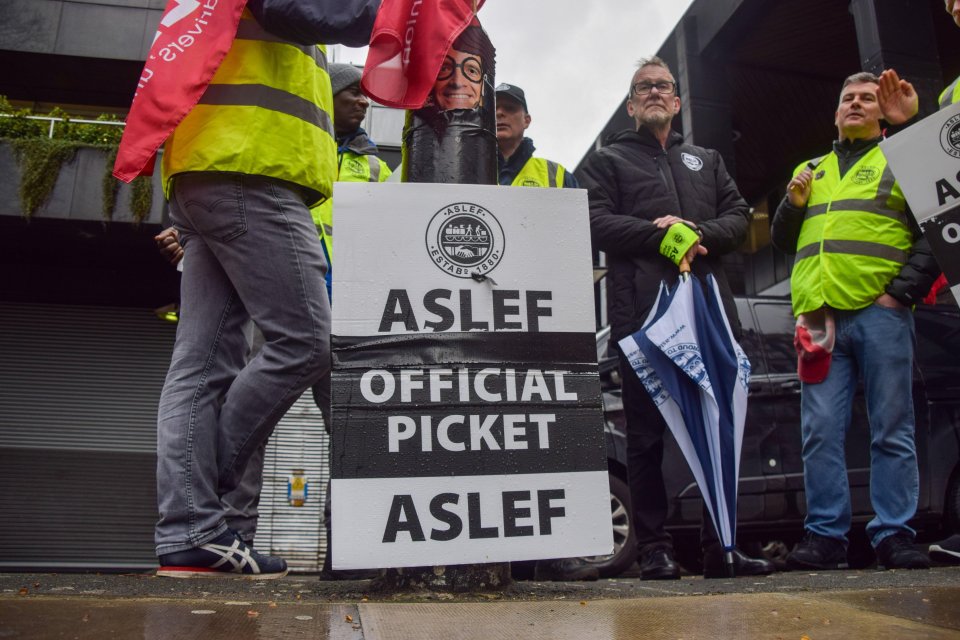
(678, 241)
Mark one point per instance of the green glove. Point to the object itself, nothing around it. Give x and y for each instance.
(678, 241)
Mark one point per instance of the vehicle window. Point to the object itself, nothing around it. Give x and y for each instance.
(777, 326)
(750, 338)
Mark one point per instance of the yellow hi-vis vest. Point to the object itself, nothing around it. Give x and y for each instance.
(537, 172)
(951, 94)
(267, 112)
(855, 235)
(354, 167)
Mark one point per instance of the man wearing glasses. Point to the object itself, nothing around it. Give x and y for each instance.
(653, 200)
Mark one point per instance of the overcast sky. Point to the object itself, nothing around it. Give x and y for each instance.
(573, 59)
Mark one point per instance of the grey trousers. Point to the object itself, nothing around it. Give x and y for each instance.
(251, 252)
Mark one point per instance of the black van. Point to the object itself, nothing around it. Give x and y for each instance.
(771, 504)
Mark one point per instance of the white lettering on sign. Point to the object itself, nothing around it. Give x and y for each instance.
(379, 385)
(411, 30)
(951, 232)
(470, 432)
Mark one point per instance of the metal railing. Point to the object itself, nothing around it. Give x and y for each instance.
(53, 121)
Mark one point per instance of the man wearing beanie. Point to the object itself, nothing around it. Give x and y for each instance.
(357, 159)
(519, 168)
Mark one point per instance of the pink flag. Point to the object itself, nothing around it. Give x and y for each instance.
(410, 39)
(192, 39)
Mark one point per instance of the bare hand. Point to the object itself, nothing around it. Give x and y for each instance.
(667, 221)
(888, 301)
(696, 250)
(798, 189)
(897, 98)
(168, 244)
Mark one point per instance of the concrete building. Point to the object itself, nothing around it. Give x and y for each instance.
(83, 353)
(759, 81)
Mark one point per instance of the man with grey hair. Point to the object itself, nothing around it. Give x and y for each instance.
(655, 199)
(861, 264)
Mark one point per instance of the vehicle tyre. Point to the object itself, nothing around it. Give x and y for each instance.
(951, 504)
(624, 535)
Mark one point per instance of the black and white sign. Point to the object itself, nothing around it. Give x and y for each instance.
(925, 159)
(467, 418)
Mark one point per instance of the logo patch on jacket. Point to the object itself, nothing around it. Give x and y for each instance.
(693, 162)
(866, 175)
(356, 166)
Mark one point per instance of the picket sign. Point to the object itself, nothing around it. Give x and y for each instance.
(925, 159)
(467, 416)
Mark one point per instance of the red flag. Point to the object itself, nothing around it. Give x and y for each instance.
(410, 39)
(191, 41)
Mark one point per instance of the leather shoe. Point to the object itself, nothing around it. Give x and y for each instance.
(658, 564)
(714, 565)
(565, 570)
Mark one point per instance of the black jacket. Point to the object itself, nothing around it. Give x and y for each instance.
(633, 181)
(920, 270)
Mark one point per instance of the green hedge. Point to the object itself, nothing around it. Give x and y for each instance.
(41, 157)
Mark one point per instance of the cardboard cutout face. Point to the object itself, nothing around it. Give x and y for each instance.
(459, 84)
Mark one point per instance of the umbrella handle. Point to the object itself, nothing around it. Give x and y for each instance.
(684, 265)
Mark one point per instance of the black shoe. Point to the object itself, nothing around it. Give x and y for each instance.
(348, 574)
(564, 570)
(818, 552)
(946, 551)
(715, 566)
(225, 556)
(658, 564)
(898, 552)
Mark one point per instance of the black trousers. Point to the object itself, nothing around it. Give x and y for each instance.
(646, 430)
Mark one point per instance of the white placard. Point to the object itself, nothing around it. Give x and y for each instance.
(925, 159)
(539, 241)
(467, 418)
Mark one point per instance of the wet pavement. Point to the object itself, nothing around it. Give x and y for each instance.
(842, 604)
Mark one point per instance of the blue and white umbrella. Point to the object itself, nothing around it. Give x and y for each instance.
(698, 376)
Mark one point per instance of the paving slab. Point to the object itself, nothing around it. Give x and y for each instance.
(787, 606)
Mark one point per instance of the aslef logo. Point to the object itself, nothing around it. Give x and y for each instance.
(950, 136)
(465, 240)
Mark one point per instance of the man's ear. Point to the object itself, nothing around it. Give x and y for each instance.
(630, 107)
(526, 120)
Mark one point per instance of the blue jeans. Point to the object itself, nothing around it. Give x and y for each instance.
(251, 252)
(877, 343)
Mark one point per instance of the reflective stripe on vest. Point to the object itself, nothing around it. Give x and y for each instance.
(538, 172)
(353, 167)
(951, 94)
(267, 111)
(855, 235)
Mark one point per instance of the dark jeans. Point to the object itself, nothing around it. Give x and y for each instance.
(648, 494)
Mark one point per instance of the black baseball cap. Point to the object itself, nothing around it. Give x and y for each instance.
(514, 92)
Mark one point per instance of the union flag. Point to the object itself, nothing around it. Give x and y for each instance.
(191, 41)
(410, 39)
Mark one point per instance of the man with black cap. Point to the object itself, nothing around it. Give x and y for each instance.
(518, 167)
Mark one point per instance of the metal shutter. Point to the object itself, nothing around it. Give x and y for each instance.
(78, 397)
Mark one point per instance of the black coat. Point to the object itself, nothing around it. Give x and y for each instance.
(633, 181)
